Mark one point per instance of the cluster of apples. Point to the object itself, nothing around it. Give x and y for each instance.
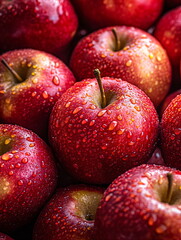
(90, 120)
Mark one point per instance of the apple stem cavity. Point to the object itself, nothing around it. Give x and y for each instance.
(170, 187)
(117, 41)
(103, 96)
(13, 72)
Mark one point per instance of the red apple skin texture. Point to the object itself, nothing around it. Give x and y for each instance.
(142, 62)
(31, 174)
(100, 13)
(171, 133)
(131, 209)
(29, 103)
(4, 237)
(96, 145)
(58, 219)
(168, 99)
(168, 33)
(45, 25)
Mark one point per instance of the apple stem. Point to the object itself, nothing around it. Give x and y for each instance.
(170, 187)
(103, 96)
(14, 73)
(117, 41)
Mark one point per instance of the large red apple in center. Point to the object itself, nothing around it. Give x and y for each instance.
(96, 143)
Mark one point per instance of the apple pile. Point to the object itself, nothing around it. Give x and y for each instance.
(90, 120)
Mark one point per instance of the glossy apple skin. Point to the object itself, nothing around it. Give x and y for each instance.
(5, 237)
(168, 100)
(45, 25)
(171, 133)
(168, 33)
(141, 61)
(30, 102)
(28, 176)
(97, 144)
(131, 207)
(100, 13)
(59, 218)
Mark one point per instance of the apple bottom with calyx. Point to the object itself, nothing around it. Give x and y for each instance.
(144, 203)
(69, 214)
(5, 237)
(28, 176)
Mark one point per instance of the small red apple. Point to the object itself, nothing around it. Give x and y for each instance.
(43, 24)
(28, 176)
(168, 33)
(142, 204)
(97, 138)
(27, 99)
(69, 214)
(97, 14)
(168, 100)
(171, 133)
(124, 52)
(5, 237)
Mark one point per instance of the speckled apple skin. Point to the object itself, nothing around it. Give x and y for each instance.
(97, 144)
(30, 102)
(171, 133)
(131, 209)
(43, 24)
(101, 13)
(142, 60)
(5, 237)
(59, 221)
(28, 177)
(168, 33)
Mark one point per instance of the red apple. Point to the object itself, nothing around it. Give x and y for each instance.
(45, 25)
(28, 176)
(69, 214)
(168, 33)
(5, 237)
(28, 100)
(138, 13)
(142, 204)
(96, 143)
(171, 133)
(168, 100)
(128, 53)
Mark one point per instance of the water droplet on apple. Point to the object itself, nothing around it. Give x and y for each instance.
(20, 182)
(7, 156)
(76, 110)
(128, 63)
(24, 160)
(101, 113)
(45, 95)
(112, 125)
(161, 229)
(56, 80)
(177, 131)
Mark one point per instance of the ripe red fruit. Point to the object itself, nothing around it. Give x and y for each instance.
(168, 33)
(69, 214)
(5, 237)
(43, 24)
(171, 133)
(28, 101)
(97, 143)
(98, 14)
(141, 204)
(128, 53)
(28, 176)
